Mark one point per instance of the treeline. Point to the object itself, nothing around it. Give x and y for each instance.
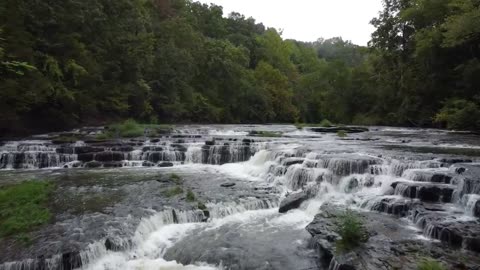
(66, 63)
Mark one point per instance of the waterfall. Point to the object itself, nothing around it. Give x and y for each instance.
(32, 155)
(223, 209)
(471, 204)
(44, 154)
(398, 167)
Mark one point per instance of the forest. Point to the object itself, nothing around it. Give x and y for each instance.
(67, 63)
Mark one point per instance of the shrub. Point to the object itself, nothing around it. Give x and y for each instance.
(430, 265)
(351, 231)
(326, 123)
(190, 196)
(174, 192)
(459, 114)
(128, 129)
(23, 207)
(342, 133)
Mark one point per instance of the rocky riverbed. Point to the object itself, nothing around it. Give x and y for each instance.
(231, 197)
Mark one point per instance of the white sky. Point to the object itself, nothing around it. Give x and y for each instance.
(308, 20)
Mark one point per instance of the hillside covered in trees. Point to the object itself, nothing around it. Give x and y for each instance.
(70, 62)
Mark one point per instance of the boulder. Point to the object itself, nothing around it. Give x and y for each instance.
(227, 184)
(460, 170)
(292, 161)
(165, 164)
(293, 201)
(148, 164)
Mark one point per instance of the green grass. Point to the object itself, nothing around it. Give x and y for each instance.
(24, 207)
(128, 129)
(430, 265)
(351, 230)
(190, 196)
(174, 192)
(342, 134)
(176, 178)
(132, 129)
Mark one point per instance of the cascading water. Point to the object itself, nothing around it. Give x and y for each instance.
(31, 155)
(44, 154)
(254, 177)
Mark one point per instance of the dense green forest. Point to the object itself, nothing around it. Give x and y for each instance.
(65, 63)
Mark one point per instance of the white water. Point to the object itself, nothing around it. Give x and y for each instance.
(353, 180)
(227, 133)
(156, 234)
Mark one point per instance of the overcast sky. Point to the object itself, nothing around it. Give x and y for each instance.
(307, 20)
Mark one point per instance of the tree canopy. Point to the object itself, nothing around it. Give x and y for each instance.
(69, 63)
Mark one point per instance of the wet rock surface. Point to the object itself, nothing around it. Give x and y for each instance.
(293, 201)
(388, 245)
(204, 194)
(346, 129)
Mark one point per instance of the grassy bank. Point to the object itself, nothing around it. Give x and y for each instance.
(131, 129)
(24, 207)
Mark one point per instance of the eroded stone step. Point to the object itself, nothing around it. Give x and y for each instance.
(429, 175)
(452, 229)
(426, 192)
(390, 245)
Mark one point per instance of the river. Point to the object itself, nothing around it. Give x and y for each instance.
(114, 209)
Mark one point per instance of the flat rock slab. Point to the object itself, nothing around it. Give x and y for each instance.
(391, 245)
(293, 201)
(337, 129)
